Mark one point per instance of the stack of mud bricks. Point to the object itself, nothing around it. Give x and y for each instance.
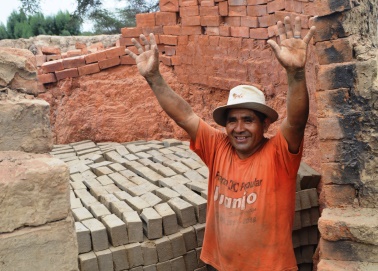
(36, 225)
(142, 206)
(346, 73)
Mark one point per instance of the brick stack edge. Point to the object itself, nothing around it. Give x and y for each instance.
(142, 206)
(234, 23)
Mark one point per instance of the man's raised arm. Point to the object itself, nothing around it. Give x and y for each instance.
(291, 53)
(174, 105)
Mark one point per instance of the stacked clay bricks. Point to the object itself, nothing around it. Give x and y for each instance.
(189, 33)
(142, 206)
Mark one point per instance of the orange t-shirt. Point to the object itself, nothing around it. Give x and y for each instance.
(250, 206)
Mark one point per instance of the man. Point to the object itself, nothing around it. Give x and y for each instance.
(251, 179)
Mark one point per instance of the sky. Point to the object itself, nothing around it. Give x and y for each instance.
(49, 7)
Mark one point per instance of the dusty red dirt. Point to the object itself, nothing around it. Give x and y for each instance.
(118, 105)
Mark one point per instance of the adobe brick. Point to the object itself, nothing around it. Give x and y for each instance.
(191, 30)
(249, 21)
(224, 30)
(89, 69)
(172, 30)
(186, 3)
(168, 39)
(47, 78)
(209, 11)
(130, 32)
(67, 73)
(116, 229)
(207, 3)
(259, 33)
(53, 57)
(124, 41)
(237, 2)
(294, 6)
(115, 52)
(211, 20)
(256, 11)
(169, 5)
(328, 7)
(175, 60)
(267, 20)
(182, 40)
(335, 76)
(191, 21)
(237, 11)
(338, 195)
(256, 2)
(154, 30)
(145, 19)
(275, 5)
(80, 45)
(166, 18)
(330, 128)
(334, 51)
(49, 50)
(212, 31)
(95, 57)
(127, 60)
(189, 11)
(170, 50)
(232, 21)
(240, 31)
(308, 8)
(223, 8)
(72, 53)
(52, 66)
(73, 62)
(107, 63)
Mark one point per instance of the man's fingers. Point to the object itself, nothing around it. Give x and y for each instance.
(152, 39)
(137, 45)
(309, 35)
(297, 27)
(145, 42)
(281, 31)
(276, 48)
(134, 56)
(289, 31)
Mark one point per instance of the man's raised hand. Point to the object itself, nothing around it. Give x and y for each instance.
(148, 59)
(292, 51)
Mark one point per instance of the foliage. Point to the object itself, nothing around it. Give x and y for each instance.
(20, 25)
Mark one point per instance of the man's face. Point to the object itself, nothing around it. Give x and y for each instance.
(245, 131)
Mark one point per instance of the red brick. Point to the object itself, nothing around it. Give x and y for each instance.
(176, 60)
(249, 21)
(40, 59)
(189, 11)
(170, 50)
(267, 20)
(107, 63)
(166, 18)
(240, 31)
(52, 66)
(237, 2)
(308, 8)
(186, 3)
(276, 5)
(211, 20)
(95, 57)
(280, 15)
(64, 55)
(98, 46)
(207, 3)
(256, 11)
(145, 19)
(237, 11)
(338, 195)
(323, 8)
(214, 41)
(329, 150)
(53, 57)
(331, 102)
(335, 76)
(193, 20)
(209, 11)
(127, 60)
(131, 32)
(166, 60)
(330, 128)
(191, 30)
(73, 62)
(272, 31)
(80, 45)
(154, 30)
(232, 21)
(223, 8)
(256, 2)
(76, 52)
(182, 40)
(47, 78)
(172, 30)
(169, 5)
(334, 51)
(212, 31)
(115, 52)
(168, 39)
(293, 6)
(67, 73)
(134, 49)
(89, 69)
(224, 30)
(49, 50)
(84, 51)
(259, 33)
(124, 41)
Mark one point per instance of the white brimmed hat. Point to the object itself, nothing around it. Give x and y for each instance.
(248, 97)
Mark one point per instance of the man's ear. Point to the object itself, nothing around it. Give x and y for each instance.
(266, 124)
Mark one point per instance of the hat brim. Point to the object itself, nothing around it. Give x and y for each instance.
(219, 114)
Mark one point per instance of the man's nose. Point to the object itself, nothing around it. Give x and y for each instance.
(239, 127)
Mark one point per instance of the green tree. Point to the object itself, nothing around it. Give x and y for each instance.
(3, 32)
(14, 19)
